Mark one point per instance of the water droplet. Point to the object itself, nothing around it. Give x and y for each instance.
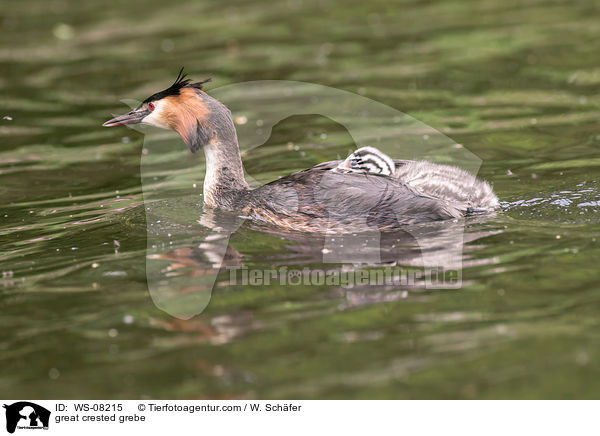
(63, 31)
(167, 45)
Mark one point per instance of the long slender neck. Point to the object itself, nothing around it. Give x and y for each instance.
(224, 180)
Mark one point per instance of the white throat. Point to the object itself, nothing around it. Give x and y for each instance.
(157, 117)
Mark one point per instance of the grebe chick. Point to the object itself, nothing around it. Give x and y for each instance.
(368, 191)
(445, 182)
(368, 160)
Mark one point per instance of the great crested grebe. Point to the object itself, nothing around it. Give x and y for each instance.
(366, 190)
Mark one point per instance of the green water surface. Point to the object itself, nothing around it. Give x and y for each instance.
(517, 83)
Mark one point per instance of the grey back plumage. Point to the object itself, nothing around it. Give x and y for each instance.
(318, 198)
(448, 183)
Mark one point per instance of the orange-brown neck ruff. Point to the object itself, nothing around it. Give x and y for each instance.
(203, 122)
(183, 113)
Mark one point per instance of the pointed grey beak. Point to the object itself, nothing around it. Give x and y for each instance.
(133, 117)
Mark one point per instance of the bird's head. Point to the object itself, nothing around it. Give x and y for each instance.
(182, 107)
(368, 160)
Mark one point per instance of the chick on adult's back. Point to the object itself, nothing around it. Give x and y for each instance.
(444, 182)
(368, 189)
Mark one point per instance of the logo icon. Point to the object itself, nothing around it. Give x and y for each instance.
(26, 415)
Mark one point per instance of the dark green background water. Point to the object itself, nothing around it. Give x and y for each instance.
(517, 83)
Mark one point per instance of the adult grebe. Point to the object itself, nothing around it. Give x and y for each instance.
(366, 190)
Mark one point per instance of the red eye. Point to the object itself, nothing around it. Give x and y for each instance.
(151, 106)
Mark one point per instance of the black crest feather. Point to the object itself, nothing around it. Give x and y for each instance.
(199, 85)
(175, 88)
